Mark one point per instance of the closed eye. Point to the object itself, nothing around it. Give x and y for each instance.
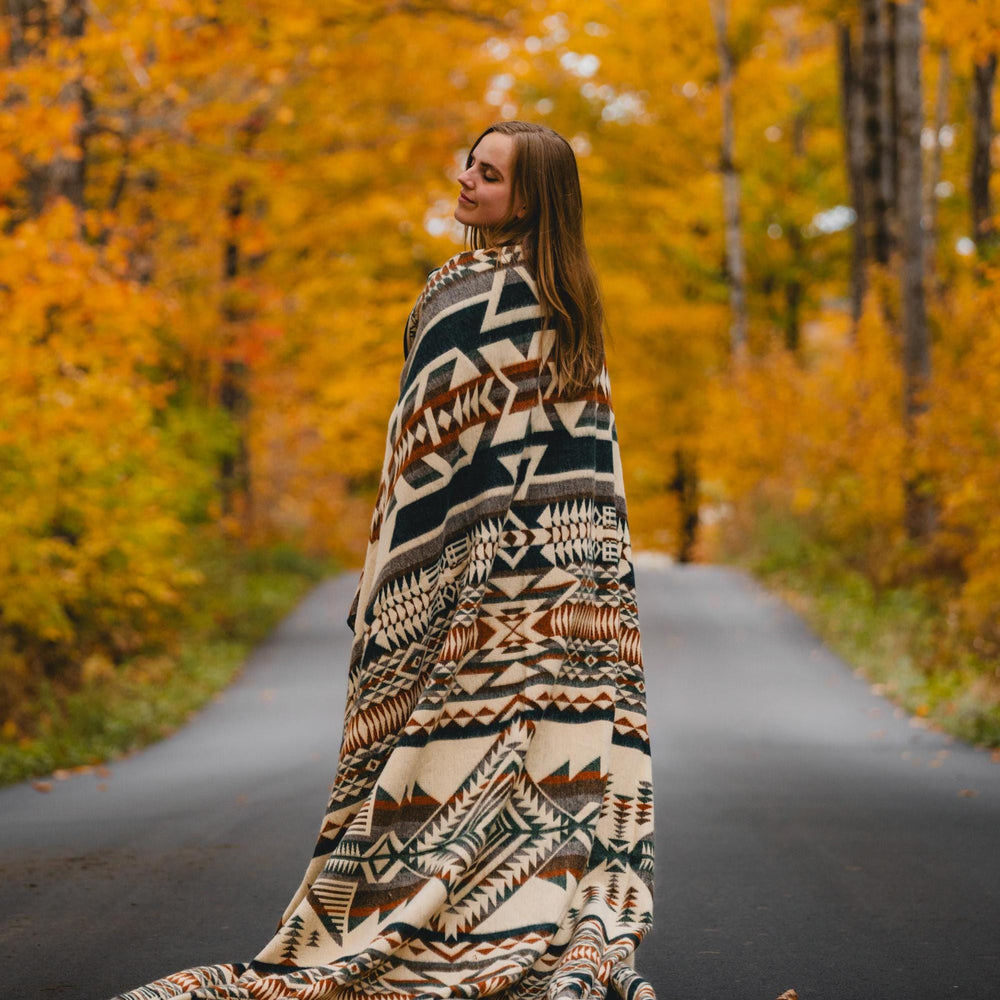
(489, 172)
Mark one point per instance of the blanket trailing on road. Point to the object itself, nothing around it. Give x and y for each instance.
(490, 826)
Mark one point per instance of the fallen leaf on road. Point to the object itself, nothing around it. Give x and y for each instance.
(967, 793)
(42, 786)
(789, 995)
(102, 772)
(62, 775)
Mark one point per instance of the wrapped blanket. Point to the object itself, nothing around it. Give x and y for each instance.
(490, 826)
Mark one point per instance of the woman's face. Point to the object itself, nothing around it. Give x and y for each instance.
(485, 196)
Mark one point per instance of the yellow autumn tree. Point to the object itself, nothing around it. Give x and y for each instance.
(214, 217)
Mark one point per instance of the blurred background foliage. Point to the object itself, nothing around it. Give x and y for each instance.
(214, 217)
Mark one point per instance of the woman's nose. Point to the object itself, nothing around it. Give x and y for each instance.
(464, 177)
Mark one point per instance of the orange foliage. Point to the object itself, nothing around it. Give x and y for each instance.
(825, 442)
(266, 186)
(961, 453)
(91, 487)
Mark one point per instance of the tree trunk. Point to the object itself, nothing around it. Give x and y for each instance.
(234, 467)
(916, 348)
(793, 294)
(875, 111)
(890, 120)
(934, 166)
(141, 257)
(854, 147)
(63, 176)
(789, 21)
(735, 262)
(22, 16)
(685, 486)
(69, 175)
(984, 231)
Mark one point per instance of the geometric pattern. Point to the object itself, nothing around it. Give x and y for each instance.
(490, 823)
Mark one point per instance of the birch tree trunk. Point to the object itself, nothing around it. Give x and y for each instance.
(984, 231)
(934, 166)
(735, 261)
(916, 348)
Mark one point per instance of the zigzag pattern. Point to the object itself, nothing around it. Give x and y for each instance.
(489, 829)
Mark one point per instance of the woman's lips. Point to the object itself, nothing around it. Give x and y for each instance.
(463, 200)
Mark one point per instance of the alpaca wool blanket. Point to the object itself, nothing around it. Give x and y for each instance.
(490, 825)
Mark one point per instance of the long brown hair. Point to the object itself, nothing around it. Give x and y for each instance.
(544, 177)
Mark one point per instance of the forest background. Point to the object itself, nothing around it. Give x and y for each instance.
(214, 217)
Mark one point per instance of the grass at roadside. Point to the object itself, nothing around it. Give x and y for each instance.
(899, 639)
(243, 596)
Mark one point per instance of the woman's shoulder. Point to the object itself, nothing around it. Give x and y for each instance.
(472, 262)
(463, 279)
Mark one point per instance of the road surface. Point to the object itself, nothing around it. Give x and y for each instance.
(808, 834)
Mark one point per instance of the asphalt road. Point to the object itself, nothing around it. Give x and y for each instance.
(809, 835)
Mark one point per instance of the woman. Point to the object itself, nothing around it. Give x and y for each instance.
(490, 826)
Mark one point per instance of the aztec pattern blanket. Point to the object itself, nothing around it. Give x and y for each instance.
(490, 826)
